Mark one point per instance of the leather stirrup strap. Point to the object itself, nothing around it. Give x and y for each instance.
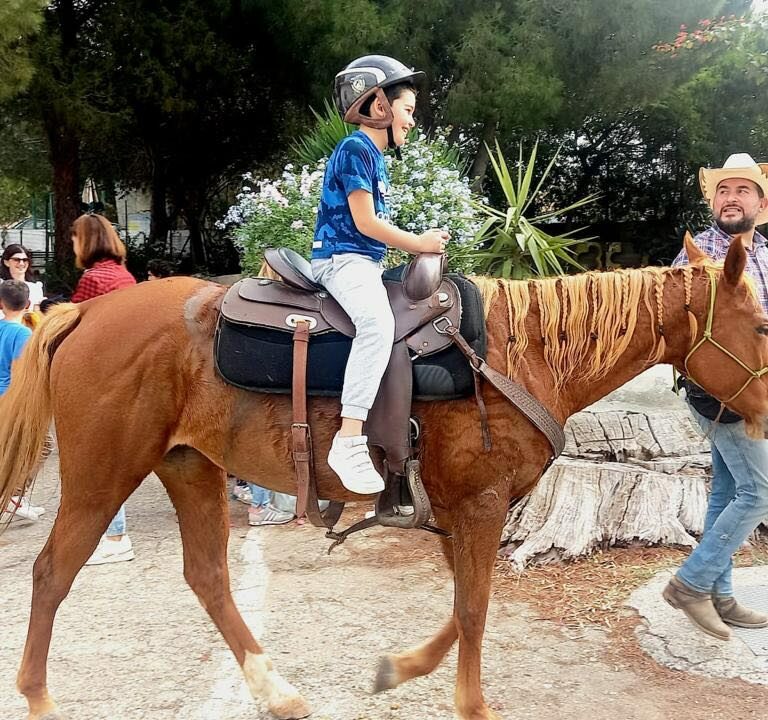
(513, 391)
(301, 438)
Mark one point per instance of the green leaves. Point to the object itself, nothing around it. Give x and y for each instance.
(19, 19)
(511, 245)
(319, 143)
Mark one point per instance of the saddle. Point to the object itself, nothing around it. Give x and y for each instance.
(302, 307)
(427, 307)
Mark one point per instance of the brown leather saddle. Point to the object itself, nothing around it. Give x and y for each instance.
(427, 308)
(422, 301)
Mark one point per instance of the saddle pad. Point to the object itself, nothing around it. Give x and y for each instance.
(261, 359)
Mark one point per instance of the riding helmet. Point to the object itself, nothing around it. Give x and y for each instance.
(366, 76)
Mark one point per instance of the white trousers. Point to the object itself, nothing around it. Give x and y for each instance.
(355, 283)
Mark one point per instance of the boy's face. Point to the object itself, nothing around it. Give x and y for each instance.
(402, 109)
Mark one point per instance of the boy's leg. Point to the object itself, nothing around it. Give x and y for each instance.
(355, 283)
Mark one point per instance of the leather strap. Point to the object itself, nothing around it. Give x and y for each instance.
(513, 391)
(307, 502)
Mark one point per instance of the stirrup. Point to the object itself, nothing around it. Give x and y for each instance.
(404, 502)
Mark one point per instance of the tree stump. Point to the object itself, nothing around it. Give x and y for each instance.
(625, 476)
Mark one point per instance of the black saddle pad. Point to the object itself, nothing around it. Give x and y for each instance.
(261, 359)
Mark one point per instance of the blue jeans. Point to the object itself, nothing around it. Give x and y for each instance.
(117, 526)
(259, 496)
(738, 502)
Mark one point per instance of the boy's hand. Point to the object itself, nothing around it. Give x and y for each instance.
(433, 240)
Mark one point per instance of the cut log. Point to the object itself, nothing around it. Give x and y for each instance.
(624, 477)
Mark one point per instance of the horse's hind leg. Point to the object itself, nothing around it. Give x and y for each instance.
(197, 489)
(82, 517)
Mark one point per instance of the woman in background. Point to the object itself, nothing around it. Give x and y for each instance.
(101, 253)
(17, 265)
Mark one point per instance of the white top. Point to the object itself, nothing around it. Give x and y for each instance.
(36, 295)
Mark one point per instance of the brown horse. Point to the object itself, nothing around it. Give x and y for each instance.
(130, 382)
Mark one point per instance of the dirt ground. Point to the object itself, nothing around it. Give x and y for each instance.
(132, 642)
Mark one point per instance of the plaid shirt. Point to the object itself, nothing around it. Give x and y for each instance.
(105, 276)
(714, 242)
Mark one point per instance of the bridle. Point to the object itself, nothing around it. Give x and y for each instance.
(707, 337)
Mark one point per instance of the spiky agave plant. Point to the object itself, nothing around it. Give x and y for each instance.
(512, 245)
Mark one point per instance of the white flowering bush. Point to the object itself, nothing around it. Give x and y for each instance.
(427, 191)
(275, 213)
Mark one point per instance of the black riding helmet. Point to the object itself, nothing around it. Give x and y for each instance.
(365, 77)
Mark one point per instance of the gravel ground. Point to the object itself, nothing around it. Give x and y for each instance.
(132, 642)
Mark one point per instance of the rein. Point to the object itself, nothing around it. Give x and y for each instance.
(707, 337)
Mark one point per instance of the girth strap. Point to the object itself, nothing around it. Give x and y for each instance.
(301, 438)
(513, 391)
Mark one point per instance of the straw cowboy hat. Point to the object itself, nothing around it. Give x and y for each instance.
(739, 165)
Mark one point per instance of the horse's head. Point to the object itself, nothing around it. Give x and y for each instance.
(729, 357)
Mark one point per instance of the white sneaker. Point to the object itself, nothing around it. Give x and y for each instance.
(350, 460)
(112, 551)
(20, 509)
(242, 493)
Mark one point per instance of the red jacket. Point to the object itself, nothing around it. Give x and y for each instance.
(103, 277)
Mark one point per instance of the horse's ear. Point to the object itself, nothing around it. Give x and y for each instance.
(735, 261)
(692, 250)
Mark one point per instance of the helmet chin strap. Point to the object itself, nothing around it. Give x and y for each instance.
(391, 143)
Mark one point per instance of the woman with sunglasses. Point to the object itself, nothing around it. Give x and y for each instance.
(17, 265)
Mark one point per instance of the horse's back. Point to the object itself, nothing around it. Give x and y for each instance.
(133, 350)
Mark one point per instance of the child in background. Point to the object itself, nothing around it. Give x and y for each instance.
(14, 300)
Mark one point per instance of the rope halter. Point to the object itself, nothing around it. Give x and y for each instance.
(707, 337)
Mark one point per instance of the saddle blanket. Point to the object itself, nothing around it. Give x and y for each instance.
(261, 359)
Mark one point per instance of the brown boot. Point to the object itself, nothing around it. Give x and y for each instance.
(698, 608)
(734, 614)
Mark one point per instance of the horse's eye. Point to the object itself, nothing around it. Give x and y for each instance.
(762, 329)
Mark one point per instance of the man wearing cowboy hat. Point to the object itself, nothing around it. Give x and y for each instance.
(738, 501)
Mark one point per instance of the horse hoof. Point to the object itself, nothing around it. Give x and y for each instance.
(293, 707)
(386, 677)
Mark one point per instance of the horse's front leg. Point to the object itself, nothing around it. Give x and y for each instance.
(422, 660)
(478, 522)
(197, 489)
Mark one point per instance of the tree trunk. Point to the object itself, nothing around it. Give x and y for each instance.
(655, 493)
(193, 213)
(64, 153)
(482, 158)
(159, 224)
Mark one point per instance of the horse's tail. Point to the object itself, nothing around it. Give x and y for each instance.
(25, 408)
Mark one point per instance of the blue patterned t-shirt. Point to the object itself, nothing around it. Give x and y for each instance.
(355, 164)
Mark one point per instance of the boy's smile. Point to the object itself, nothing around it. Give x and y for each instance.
(402, 109)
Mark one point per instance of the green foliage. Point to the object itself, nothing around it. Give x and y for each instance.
(504, 74)
(319, 143)
(14, 200)
(18, 19)
(182, 96)
(516, 246)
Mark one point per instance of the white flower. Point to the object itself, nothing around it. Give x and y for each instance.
(297, 225)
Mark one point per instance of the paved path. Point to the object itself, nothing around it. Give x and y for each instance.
(131, 641)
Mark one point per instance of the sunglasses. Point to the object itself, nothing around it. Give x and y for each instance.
(19, 259)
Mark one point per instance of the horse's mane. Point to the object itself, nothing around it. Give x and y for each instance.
(586, 321)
